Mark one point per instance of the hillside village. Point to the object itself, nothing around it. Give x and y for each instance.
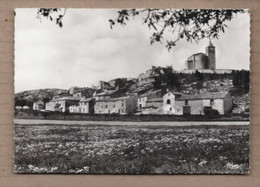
(196, 90)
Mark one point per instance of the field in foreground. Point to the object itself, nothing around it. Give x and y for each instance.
(129, 149)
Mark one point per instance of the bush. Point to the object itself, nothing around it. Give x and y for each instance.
(210, 112)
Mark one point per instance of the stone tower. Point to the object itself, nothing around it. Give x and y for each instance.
(210, 52)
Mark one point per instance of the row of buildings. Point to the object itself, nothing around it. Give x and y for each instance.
(105, 101)
(153, 102)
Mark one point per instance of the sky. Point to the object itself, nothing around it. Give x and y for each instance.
(85, 50)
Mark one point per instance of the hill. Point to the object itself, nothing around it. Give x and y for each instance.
(236, 83)
(28, 97)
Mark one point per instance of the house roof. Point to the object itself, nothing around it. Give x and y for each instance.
(106, 93)
(198, 54)
(66, 98)
(114, 99)
(155, 100)
(80, 90)
(39, 102)
(86, 99)
(148, 93)
(208, 95)
(175, 93)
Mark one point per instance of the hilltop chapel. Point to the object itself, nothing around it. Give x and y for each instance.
(201, 61)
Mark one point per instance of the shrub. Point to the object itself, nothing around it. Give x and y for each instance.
(210, 112)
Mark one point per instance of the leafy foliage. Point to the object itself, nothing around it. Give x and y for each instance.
(189, 24)
(198, 75)
(241, 79)
(53, 14)
(167, 77)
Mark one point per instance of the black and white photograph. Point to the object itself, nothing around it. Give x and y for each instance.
(131, 91)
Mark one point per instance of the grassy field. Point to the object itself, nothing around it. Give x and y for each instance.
(126, 149)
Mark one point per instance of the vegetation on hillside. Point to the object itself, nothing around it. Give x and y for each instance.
(27, 98)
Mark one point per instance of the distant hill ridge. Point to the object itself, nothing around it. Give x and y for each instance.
(39, 94)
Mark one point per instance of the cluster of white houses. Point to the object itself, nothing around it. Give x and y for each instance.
(153, 102)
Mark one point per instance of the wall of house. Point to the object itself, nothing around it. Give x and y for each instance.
(131, 105)
(217, 71)
(141, 102)
(64, 104)
(218, 105)
(102, 97)
(121, 106)
(228, 103)
(108, 107)
(77, 94)
(179, 107)
(197, 106)
(154, 104)
(83, 107)
(198, 61)
(74, 109)
(169, 108)
(51, 105)
(38, 106)
(86, 106)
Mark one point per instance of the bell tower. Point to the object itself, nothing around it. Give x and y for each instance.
(210, 52)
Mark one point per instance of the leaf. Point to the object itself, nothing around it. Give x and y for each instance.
(60, 24)
(222, 29)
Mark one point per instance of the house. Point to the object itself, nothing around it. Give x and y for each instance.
(81, 93)
(169, 102)
(85, 106)
(74, 89)
(119, 105)
(18, 107)
(153, 106)
(74, 108)
(38, 105)
(26, 107)
(106, 94)
(61, 104)
(195, 104)
(142, 99)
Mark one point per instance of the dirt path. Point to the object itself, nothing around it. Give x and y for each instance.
(164, 123)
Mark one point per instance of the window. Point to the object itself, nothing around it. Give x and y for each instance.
(168, 101)
(122, 104)
(212, 102)
(106, 106)
(122, 110)
(114, 106)
(171, 109)
(186, 102)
